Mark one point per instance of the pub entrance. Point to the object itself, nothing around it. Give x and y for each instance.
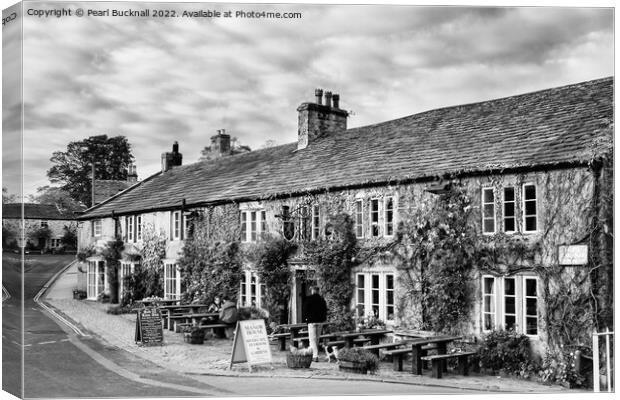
(303, 280)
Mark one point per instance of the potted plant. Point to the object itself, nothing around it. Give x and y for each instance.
(357, 360)
(299, 358)
(194, 334)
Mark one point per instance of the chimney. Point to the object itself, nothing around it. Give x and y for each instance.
(317, 120)
(220, 144)
(132, 174)
(174, 159)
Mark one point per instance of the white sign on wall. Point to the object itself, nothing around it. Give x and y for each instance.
(573, 255)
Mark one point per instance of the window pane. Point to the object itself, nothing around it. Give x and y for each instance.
(530, 192)
(390, 297)
(488, 195)
(530, 307)
(488, 210)
(530, 208)
(509, 194)
(389, 281)
(530, 287)
(360, 281)
(509, 209)
(510, 305)
(488, 323)
(509, 286)
(531, 327)
(510, 321)
(509, 225)
(488, 285)
(530, 223)
(488, 303)
(489, 225)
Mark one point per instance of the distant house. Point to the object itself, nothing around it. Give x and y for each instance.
(44, 225)
(515, 156)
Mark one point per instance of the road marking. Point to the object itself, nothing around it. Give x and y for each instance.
(48, 342)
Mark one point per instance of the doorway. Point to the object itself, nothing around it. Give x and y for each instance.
(304, 280)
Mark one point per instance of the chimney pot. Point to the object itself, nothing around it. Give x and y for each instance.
(319, 96)
(175, 147)
(328, 99)
(336, 99)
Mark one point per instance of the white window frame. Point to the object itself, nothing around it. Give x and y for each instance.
(129, 223)
(253, 229)
(172, 284)
(383, 297)
(126, 268)
(44, 224)
(499, 304)
(176, 225)
(138, 224)
(97, 227)
(376, 224)
(493, 303)
(315, 222)
(482, 209)
(95, 285)
(523, 201)
(525, 297)
(359, 219)
(245, 289)
(386, 222)
(514, 204)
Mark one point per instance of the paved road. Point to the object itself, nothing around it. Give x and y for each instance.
(60, 364)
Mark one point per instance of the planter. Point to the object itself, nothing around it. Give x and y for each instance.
(356, 367)
(298, 360)
(193, 339)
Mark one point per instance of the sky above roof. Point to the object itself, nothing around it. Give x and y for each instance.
(160, 80)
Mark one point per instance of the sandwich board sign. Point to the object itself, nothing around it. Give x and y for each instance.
(251, 344)
(149, 331)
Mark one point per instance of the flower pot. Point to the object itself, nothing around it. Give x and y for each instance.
(298, 360)
(193, 338)
(356, 367)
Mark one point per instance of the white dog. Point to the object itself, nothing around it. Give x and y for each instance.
(331, 354)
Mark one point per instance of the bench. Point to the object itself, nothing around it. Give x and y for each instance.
(374, 348)
(336, 343)
(360, 341)
(281, 338)
(399, 354)
(213, 327)
(439, 360)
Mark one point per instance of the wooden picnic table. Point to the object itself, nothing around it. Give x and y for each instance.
(417, 353)
(149, 302)
(373, 336)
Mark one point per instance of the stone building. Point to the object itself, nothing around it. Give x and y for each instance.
(44, 225)
(530, 164)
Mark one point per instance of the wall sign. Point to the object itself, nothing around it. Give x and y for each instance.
(573, 255)
(149, 331)
(251, 344)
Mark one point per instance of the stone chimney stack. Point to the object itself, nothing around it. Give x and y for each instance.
(132, 173)
(220, 144)
(317, 120)
(174, 159)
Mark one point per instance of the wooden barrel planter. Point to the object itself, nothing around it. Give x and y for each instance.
(298, 360)
(353, 366)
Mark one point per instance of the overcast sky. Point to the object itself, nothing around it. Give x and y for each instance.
(160, 80)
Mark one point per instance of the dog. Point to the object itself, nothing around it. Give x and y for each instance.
(331, 355)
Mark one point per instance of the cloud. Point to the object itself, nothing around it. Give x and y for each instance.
(156, 81)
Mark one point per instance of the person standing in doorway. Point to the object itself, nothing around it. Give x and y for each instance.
(315, 313)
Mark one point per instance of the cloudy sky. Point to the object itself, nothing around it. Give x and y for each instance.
(160, 80)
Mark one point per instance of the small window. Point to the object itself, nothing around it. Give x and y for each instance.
(488, 303)
(374, 294)
(509, 210)
(389, 216)
(244, 227)
(359, 219)
(263, 221)
(530, 306)
(374, 217)
(129, 226)
(510, 303)
(44, 224)
(172, 281)
(361, 294)
(138, 227)
(244, 284)
(97, 230)
(177, 225)
(389, 296)
(488, 210)
(253, 227)
(288, 225)
(316, 228)
(530, 214)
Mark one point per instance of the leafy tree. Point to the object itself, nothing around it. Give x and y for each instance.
(69, 238)
(56, 196)
(6, 197)
(72, 168)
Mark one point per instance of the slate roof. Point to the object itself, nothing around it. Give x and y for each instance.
(540, 129)
(35, 211)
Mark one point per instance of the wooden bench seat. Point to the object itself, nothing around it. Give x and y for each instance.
(398, 355)
(336, 343)
(439, 360)
(281, 339)
(374, 348)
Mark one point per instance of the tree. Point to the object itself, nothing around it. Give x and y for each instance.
(56, 196)
(6, 197)
(72, 168)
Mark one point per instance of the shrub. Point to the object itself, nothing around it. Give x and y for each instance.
(560, 367)
(505, 350)
(358, 354)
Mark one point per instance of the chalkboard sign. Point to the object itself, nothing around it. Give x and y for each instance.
(251, 344)
(149, 330)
